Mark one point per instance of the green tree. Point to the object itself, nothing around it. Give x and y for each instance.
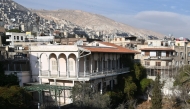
(85, 97)
(14, 97)
(156, 98)
(182, 80)
(145, 83)
(130, 87)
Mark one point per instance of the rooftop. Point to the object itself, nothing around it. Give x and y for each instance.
(159, 49)
(111, 48)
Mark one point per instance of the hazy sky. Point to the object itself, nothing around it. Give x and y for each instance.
(164, 16)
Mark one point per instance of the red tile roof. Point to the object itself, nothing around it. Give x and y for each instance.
(113, 49)
(159, 49)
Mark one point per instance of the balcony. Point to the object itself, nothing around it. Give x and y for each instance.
(86, 75)
(159, 67)
(158, 58)
(103, 73)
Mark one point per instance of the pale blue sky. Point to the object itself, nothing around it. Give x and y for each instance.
(164, 16)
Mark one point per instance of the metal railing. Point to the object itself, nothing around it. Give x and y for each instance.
(103, 73)
(85, 74)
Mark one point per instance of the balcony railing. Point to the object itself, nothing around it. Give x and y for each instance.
(86, 74)
(103, 73)
(159, 67)
(159, 57)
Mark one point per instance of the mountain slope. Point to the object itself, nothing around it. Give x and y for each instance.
(93, 21)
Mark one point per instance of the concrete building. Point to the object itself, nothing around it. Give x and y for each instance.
(15, 37)
(157, 57)
(97, 63)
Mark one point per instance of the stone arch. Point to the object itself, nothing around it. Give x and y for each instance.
(53, 64)
(44, 64)
(72, 64)
(62, 64)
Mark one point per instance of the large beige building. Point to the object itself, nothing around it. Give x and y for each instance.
(97, 63)
(157, 57)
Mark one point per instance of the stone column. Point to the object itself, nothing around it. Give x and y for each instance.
(77, 67)
(102, 64)
(91, 61)
(112, 84)
(67, 67)
(111, 63)
(58, 67)
(49, 72)
(39, 65)
(84, 66)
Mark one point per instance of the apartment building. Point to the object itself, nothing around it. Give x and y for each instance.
(158, 57)
(97, 63)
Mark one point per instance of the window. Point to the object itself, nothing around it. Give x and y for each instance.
(189, 54)
(147, 63)
(87, 64)
(14, 37)
(17, 37)
(54, 65)
(158, 63)
(167, 54)
(167, 63)
(166, 44)
(21, 37)
(176, 53)
(161, 43)
(70, 65)
(147, 53)
(181, 53)
(188, 62)
(158, 53)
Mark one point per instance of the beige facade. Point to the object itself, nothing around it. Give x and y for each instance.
(158, 57)
(64, 65)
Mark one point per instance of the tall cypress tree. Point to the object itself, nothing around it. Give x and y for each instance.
(156, 98)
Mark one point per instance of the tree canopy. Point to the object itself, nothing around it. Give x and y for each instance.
(156, 98)
(14, 97)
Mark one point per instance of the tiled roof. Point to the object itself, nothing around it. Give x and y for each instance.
(113, 49)
(159, 49)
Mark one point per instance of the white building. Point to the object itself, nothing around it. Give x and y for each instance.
(97, 63)
(15, 37)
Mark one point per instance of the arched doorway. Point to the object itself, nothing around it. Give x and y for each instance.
(72, 65)
(53, 65)
(62, 65)
(44, 64)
